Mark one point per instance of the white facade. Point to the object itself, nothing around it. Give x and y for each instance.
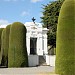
(36, 42)
(35, 31)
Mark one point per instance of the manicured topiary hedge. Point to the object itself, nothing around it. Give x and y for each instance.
(7, 41)
(5, 46)
(17, 54)
(65, 44)
(1, 29)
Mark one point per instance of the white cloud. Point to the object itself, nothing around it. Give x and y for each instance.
(34, 1)
(24, 13)
(3, 22)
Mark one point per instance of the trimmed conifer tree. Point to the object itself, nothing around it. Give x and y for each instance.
(1, 29)
(17, 54)
(65, 43)
(7, 41)
(5, 46)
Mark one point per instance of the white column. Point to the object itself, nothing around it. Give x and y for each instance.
(45, 44)
(39, 46)
(28, 45)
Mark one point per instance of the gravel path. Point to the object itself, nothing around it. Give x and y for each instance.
(26, 71)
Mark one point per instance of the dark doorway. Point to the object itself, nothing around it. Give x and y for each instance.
(33, 45)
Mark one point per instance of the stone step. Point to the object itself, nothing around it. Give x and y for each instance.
(42, 60)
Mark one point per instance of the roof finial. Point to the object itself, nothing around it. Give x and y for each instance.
(33, 19)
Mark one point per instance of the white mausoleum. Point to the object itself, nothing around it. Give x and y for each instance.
(36, 39)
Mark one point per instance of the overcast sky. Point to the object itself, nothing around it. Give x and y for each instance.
(21, 10)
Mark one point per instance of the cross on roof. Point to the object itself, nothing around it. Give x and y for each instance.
(33, 19)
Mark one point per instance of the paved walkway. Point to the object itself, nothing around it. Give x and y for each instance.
(27, 71)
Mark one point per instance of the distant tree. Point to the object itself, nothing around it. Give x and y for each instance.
(50, 20)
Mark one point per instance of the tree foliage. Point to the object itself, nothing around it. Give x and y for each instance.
(50, 20)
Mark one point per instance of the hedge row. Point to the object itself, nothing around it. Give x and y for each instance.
(1, 29)
(17, 46)
(65, 44)
(5, 45)
(13, 46)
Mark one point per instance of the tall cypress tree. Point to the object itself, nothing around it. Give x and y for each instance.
(17, 54)
(65, 44)
(1, 29)
(5, 46)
